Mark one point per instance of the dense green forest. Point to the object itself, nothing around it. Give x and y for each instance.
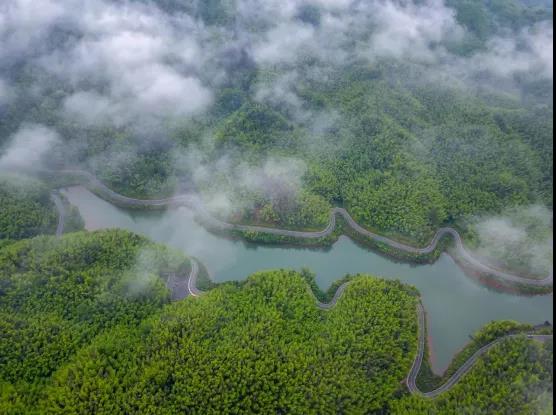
(56, 295)
(27, 209)
(87, 327)
(514, 378)
(404, 153)
(413, 115)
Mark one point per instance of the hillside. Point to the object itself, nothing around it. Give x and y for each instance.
(88, 327)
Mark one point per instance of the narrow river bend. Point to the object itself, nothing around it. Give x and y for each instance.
(456, 305)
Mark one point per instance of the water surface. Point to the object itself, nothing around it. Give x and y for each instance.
(457, 306)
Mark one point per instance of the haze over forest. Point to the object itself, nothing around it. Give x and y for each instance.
(412, 115)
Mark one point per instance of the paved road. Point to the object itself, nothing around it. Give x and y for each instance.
(180, 287)
(329, 306)
(61, 213)
(411, 380)
(195, 203)
(192, 280)
(462, 371)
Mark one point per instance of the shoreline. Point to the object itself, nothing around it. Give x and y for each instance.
(444, 382)
(346, 225)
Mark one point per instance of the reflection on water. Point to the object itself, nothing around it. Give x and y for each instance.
(456, 305)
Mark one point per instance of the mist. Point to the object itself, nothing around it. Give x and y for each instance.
(521, 238)
(117, 87)
(28, 147)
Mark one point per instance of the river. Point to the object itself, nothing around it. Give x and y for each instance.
(456, 305)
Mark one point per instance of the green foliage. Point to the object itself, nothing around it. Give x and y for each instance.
(264, 347)
(484, 19)
(141, 175)
(56, 295)
(255, 127)
(491, 332)
(515, 377)
(26, 208)
(85, 327)
(397, 205)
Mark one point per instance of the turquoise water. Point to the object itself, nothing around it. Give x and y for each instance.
(456, 305)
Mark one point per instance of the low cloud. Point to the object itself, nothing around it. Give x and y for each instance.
(284, 43)
(532, 51)
(145, 63)
(138, 67)
(229, 188)
(522, 237)
(407, 30)
(27, 147)
(132, 63)
(126, 62)
(24, 26)
(143, 274)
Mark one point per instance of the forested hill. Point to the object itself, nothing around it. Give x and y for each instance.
(411, 114)
(87, 327)
(27, 209)
(57, 295)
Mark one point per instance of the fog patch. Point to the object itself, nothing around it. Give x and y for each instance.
(277, 177)
(284, 43)
(144, 62)
(145, 272)
(531, 52)
(28, 147)
(407, 30)
(229, 187)
(521, 237)
(24, 25)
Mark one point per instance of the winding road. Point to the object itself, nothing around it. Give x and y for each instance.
(411, 380)
(462, 371)
(184, 287)
(194, 202)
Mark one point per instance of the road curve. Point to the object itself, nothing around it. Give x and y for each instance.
(181, 288)
(411, 380)
(192, 280)
(329, 306)
(194, 202)
(190, 284)
(61, 213)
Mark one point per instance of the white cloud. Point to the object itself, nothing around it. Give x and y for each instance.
(531, 52)
(414, 31)
(284, 43)
(520, 237)
(138, 62)
(28, 146)
(24, 23)
(131, 63)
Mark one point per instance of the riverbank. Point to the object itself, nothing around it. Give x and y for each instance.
(328, 236)
(421, 380)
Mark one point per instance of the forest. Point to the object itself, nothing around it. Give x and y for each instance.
(406, 146)
(27, 210)
(523, 384)
(87, 327)
(405, 154)
(57, 295)
(413, 115)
